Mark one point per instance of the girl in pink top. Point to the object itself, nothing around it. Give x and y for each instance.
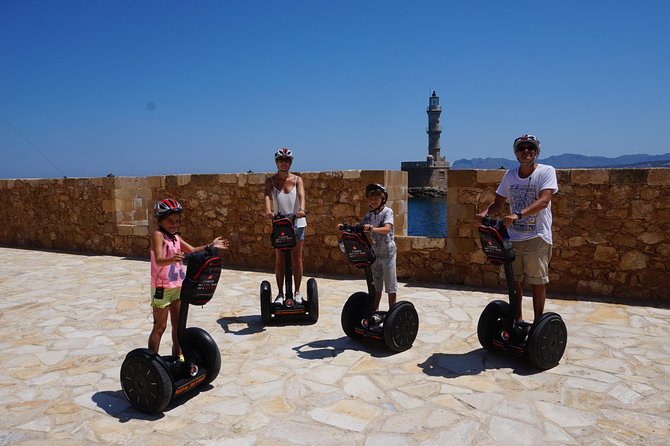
(167, 270)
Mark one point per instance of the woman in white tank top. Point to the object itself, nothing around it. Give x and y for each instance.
(285, 193)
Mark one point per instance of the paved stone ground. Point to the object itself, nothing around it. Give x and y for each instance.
(68, 320)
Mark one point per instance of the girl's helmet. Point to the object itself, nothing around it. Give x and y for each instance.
(166, 207)
(376, 187)
(532, 139)
(284, 153)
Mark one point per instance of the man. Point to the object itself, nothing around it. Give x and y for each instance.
(528, 190)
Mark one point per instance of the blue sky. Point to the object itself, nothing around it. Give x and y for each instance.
(140, 88)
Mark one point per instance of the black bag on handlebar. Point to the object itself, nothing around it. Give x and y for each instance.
(497, 248)
(202, 276)
(358, 249)
(283, 234)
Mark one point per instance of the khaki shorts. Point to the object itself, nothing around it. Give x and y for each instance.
(531, 264)
(162, 297)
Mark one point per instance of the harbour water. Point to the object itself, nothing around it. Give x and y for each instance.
(427, 216)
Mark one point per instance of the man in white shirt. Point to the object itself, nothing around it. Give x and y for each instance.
(528, 189)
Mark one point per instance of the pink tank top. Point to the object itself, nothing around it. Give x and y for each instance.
(168, 276)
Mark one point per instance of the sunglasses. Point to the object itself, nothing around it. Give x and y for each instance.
(283, 160)
(528, 148)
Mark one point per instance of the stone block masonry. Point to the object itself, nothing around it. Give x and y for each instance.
(610, 226)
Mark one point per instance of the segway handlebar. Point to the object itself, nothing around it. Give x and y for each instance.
(280, 215)
(209, 251)
(346, 227)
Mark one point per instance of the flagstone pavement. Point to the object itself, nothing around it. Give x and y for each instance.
(67, 322)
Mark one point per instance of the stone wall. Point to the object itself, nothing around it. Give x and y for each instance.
(611, 232)
(610, 226)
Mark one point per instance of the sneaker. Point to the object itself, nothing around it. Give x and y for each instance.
(279, 300)
(297, 298)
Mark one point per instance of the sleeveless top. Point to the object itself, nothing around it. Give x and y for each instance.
(168, 276)
(287, 203)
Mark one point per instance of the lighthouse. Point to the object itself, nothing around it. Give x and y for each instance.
(434, 130)
(429, 178)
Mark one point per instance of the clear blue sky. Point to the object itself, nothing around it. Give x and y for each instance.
(159, 87)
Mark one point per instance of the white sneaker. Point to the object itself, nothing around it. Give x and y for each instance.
(297, 298)
(279, 300)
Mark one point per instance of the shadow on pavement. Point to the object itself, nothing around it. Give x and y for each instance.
(453, 365)
(116, 404)
(330, 348)
(253, 325)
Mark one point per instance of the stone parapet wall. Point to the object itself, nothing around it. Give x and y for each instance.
(610, 226)
(611, 232)
(114, 215)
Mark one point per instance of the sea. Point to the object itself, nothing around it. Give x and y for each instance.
(427, 216)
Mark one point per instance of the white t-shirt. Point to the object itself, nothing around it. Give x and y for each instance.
(520, 192)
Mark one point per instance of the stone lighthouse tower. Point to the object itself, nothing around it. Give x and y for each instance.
(434, 130)
(429, 178)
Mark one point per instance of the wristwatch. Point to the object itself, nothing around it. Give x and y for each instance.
(519, 215)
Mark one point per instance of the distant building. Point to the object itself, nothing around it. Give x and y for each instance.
(429, 177)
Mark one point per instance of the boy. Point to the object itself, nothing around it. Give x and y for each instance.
(379, 223)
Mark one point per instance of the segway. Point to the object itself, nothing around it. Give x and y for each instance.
(543, 341)
(399, 325)
(283, 238)
(150, 381)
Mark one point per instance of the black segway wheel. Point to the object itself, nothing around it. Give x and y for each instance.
(353, 311)
(146, 381)
(205, 350)
(547, 341)
(266, 298)
(313, 300)
(491, 322)
(401, 326)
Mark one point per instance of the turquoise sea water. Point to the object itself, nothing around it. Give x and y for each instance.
(427, 216)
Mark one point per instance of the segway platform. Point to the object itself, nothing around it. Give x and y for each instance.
(398, 326)
(283, 239)
(543, 341)
(150, 381)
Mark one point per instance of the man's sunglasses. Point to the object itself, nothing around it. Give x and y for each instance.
(528, 148)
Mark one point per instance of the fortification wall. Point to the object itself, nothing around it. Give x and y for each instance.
(610, 226)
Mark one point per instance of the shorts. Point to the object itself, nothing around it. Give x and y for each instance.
(384, 275)
(531, 263)
(162, 297)
(299, 234)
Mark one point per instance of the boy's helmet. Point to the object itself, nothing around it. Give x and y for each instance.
(166, 207)
(532, 139)
(284, 153)
(376, 187)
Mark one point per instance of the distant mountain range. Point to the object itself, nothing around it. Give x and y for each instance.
(570, 161)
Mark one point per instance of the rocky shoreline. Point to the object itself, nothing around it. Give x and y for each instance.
(426, 192)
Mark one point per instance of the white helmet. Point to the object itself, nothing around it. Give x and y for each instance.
(284, 153)
(532, 139)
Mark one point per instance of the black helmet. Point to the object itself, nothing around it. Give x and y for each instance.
(376, 187)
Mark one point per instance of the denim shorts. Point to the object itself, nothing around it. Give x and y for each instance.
(162, 297)
(299, 233)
